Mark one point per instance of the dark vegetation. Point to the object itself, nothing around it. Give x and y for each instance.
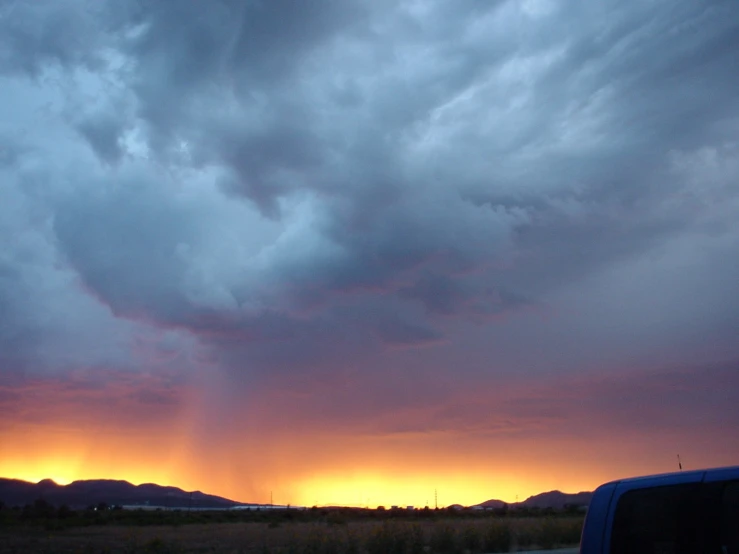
(42, 527)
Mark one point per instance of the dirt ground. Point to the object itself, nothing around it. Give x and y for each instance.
(446, 537)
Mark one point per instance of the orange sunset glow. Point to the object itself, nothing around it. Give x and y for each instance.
(309, 465)
(385, 483)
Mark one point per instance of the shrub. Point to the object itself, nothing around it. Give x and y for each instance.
(497, 537)
(388, 539)
(444, 539)
(351, 544)
(316, 544)
(156, 545)
(336, 518)
(470, 539)
(553, 532)
(417, 544)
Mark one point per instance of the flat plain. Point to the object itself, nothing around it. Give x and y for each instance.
(333, 534)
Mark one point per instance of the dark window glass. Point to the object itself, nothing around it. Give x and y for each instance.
(658, 520)
(730, 519)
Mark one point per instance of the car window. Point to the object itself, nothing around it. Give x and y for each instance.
(730, 519)
(658, 520)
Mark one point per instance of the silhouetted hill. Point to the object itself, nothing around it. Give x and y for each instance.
(493, 504)
(14, 492)
(552, 499)
(557, 499)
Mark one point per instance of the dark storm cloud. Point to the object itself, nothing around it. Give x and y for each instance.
(468, 295)
(97, 396)
(695, 400)
(104, 135)
(400, 334)
(280, 175)
(103, 236)
(17, 336)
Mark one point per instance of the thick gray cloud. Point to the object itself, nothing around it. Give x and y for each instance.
(525, 186)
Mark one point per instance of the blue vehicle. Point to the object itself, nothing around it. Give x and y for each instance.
(690, 512)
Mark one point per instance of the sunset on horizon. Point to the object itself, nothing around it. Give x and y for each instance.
(350, 253)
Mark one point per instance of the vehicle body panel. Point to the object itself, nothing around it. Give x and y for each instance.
(597, 534)
(592, 532)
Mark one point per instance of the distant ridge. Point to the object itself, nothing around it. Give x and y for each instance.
(80, 494)
(14, 492)
(551, 499)
(493, 504)
(558, 499)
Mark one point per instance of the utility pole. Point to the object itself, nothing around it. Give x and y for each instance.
(436, 500)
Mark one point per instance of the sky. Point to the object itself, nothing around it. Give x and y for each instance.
(352, 252)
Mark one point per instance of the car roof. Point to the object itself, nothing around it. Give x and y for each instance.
(729, 470)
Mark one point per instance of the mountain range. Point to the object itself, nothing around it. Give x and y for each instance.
(14, 492)
(551, 499)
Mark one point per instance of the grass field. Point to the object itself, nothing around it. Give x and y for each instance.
(332, 533)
